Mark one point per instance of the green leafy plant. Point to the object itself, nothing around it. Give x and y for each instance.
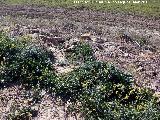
(104, 92)
(9, 48)
(27, 64)
(90, 74)
(81, 53)
(36, 65)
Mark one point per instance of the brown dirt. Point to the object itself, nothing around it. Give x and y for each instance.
(114, 36)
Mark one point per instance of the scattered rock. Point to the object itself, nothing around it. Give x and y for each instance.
(100, 40)
(52, 40)
(45, 33)
(69, 27)
(68, 45)
(126, 36)
(86, 36)
(63, 70)
(32, 31)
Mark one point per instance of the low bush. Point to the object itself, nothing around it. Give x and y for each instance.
(35, 64)
(8, 50)
(104, 92)
(27, 64)
(89, 75)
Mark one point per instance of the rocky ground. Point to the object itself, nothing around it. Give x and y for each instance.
(130, 42)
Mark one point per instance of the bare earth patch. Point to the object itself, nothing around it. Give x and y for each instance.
(131, 42)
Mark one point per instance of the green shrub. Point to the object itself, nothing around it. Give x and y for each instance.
(36, 65)
(89, 75)
(27, 64)
(105, 92)
(81, 53)
(95, 106)
(8, 48)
